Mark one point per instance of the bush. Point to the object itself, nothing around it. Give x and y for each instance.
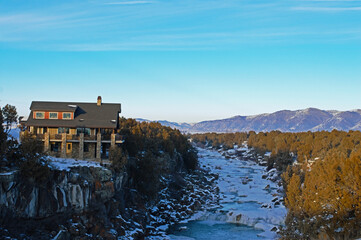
(118, 158)
(143, 137)
(36, 170)
(280, 161)
(32, 164)
(147, 175)
(30, 147)
(190, 159)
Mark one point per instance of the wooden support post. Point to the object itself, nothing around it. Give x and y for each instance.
(81, 146)
(99, 145)
(46, 142)
(63, 145)
(112, 140)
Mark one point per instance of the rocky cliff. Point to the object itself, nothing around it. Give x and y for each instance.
(74, 190)
(67, 193)
(87, 202)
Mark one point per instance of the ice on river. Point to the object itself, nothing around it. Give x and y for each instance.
(245, 198)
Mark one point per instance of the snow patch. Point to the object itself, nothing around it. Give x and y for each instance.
(65, 164)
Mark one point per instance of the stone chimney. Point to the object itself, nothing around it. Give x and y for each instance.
(99, 101)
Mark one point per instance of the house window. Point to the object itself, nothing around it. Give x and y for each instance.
(53, 115)
(63, 130)
(39, 115)
(86, 131)
(66, 115)
(79, 130)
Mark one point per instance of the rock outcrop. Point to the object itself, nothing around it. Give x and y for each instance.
(74, 191)
(96, 203)
(86, 193)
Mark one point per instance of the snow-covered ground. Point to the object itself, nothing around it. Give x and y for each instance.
(68, 163)
(8, 173)
(249, 204)
(14, 132)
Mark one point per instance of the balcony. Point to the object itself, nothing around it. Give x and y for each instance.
(39, 137)
(75, 137)
(106, 137)
(90, 137)
(55, 137)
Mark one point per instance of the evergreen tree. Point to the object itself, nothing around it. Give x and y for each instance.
(10, 116)
(3, 138)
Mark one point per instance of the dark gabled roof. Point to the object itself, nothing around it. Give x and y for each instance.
(88, 115)
(53, 106)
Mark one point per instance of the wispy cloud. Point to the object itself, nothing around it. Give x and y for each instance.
(22, 18)
(168, 25)
(209, 41)
(326, 9)
(341, 1)
(129, 3)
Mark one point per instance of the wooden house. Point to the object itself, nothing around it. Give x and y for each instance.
(75, 129)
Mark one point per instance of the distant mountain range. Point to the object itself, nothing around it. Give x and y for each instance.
(310, 119)
(181, 126)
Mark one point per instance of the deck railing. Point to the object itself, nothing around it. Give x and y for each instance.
(118, 137)
(106, 137)
(55, 136)
(58, 137)
(39, 136)
(90, 137)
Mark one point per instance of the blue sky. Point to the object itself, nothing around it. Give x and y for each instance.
(183, 60)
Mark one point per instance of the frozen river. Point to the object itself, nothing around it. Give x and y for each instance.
(248, 208)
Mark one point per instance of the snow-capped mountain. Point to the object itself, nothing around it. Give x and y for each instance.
(310, 119)
(181, 126)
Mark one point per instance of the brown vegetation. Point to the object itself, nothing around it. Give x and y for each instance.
(153, 151)
(157, 139)
(323, 187)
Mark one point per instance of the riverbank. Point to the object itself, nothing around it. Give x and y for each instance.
(183, 196)
(229, 193)
(250, 203)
